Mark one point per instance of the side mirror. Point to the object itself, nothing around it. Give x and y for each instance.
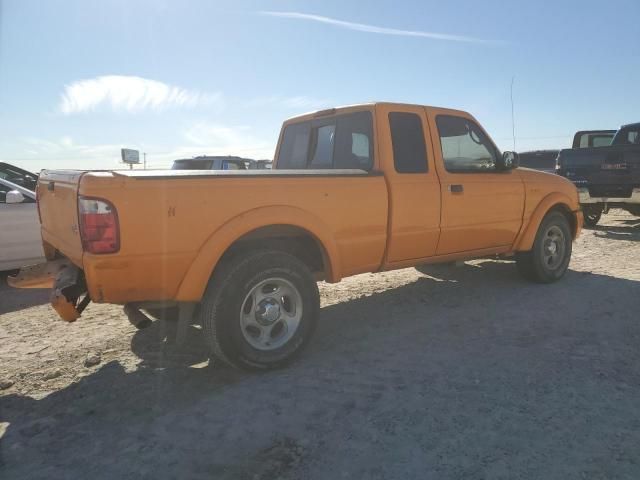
(509, 161)
(14, 196)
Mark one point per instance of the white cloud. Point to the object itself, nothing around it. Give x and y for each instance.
(361, 27)
(128, 94)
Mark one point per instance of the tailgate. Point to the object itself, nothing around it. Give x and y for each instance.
(615, 166)
(58, 202)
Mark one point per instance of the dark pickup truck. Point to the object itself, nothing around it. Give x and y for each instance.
(606, 177)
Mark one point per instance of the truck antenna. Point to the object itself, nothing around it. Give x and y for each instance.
(513, 117)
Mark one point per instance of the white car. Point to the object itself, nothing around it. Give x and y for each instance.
(20, 240)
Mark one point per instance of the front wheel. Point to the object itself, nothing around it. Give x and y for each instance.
(549, 258)
(260, 309)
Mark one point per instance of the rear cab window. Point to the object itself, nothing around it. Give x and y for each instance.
(337, 142)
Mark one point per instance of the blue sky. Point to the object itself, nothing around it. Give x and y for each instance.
(81, 79)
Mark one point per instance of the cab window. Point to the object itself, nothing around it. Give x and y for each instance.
(465, 147)
(407, 138)
(340, 142)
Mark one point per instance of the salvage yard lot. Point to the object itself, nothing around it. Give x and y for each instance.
(470, 372)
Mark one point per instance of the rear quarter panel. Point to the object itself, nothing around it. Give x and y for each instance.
(57, 193)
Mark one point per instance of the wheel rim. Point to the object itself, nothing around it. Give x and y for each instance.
(270, 313)
(553, 247)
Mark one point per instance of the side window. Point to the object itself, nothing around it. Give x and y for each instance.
(407, 138)
(465, 147)
(294, 147)
(3, 194)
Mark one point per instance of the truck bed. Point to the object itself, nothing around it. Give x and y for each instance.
(168, 218)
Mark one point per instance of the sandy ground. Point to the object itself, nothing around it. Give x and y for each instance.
(469, 372)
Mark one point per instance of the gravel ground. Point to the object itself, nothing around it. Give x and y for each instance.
(469, 372)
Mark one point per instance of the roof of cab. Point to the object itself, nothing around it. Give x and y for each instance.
(360, 106)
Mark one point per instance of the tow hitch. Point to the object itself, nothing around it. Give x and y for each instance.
(67, 283)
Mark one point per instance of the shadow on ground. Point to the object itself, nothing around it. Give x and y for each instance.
(470, 373)
(13, 299)
(628, 230)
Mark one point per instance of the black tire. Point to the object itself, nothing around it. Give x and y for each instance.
(540, 265)
(228, 294)
(163, 313)
(591, 216)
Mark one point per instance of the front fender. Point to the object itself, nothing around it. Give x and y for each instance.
(527, 236)
(195, 281)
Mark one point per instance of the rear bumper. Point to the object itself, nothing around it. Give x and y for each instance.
(585, 197)
(66, 281)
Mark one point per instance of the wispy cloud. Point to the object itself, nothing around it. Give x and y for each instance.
(128, 94)
(361, 27)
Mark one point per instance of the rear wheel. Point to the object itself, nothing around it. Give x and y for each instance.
(592, 215)
(260, 310)
(549, 258)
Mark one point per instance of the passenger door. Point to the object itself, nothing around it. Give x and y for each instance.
(482, 208)
(414, 190)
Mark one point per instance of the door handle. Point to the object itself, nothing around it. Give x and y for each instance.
(456, 188)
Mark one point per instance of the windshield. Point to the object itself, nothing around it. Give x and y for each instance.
(192, 165)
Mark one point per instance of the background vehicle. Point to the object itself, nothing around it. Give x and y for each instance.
(593, 138)
(606, 177)
(18, 176)
(358, 189)
(260, 164)
(543, 160)
(20, 240)
(211, 163)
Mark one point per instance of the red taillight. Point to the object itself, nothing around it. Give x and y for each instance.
(99, 227)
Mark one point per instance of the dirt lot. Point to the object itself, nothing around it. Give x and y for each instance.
(467, 373)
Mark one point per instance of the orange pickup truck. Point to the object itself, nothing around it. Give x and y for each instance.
(357, 189)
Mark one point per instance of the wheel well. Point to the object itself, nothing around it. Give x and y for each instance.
(288, 238)
(571, 218)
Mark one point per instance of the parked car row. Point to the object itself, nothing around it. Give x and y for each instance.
(604, 165)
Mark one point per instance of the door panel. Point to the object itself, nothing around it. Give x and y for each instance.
(414, 198)
(480, 209)
(486, 213)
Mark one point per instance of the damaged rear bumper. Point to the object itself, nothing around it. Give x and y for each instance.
(69, 295)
